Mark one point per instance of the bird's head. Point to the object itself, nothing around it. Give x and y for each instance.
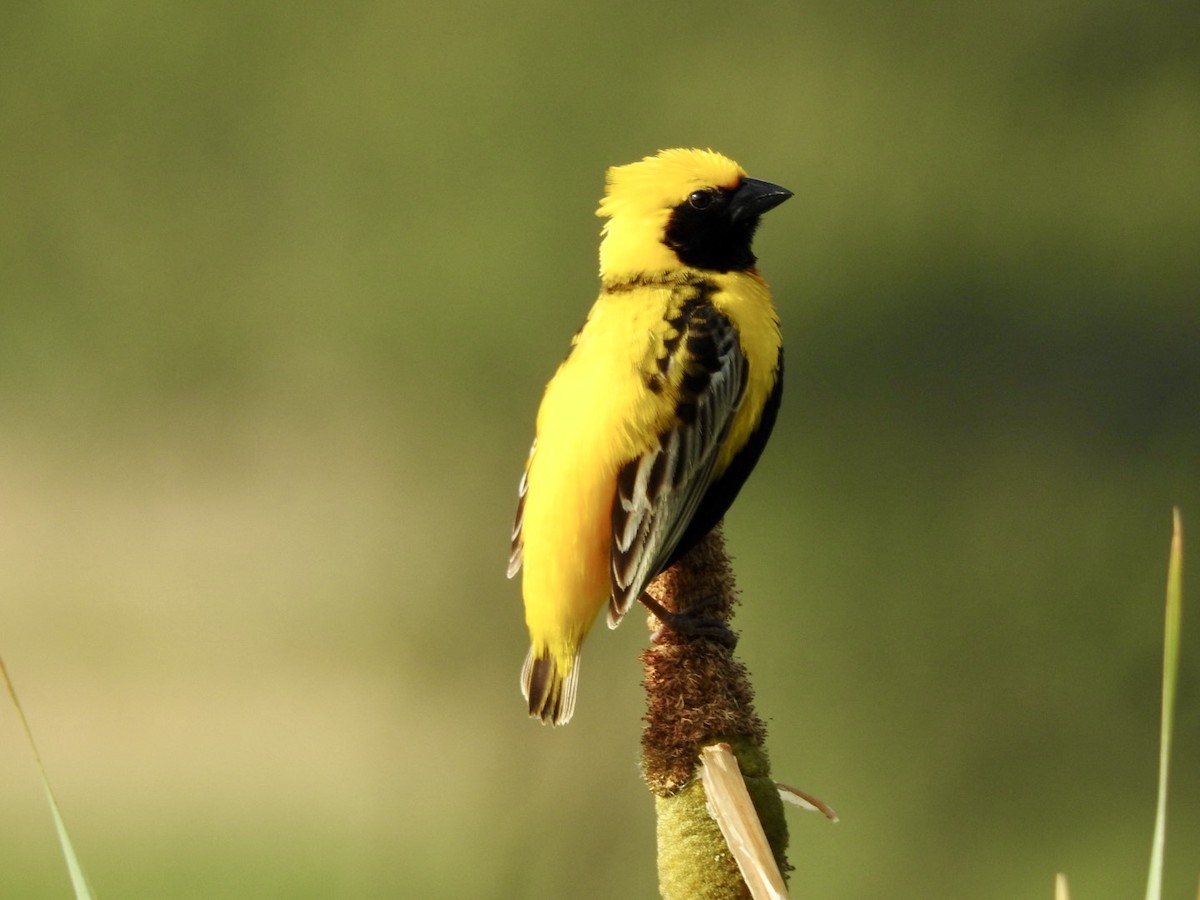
(682, 208)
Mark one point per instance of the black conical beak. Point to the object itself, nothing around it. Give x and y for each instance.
(754, 197)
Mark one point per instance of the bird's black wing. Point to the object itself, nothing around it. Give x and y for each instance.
(658, 492)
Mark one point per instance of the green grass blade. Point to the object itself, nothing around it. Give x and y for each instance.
(1174, 615)
(78, 879)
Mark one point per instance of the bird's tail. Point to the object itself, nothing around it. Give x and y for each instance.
(549, 689)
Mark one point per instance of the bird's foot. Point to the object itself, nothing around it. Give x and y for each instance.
(696, 622)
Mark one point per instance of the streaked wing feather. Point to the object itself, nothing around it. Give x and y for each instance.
(517, 552)
(659, 492)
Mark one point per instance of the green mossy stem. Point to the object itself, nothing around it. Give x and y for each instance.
(697, 694)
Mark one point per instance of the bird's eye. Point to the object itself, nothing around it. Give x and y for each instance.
(701, 199)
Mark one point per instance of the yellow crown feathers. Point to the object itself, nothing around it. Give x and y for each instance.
(664, 180)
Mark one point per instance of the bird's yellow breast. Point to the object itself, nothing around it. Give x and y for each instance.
(746, 301)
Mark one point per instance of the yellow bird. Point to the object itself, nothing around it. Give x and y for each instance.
(661, 408)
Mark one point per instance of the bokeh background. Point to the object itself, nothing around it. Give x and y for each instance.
(280, 285)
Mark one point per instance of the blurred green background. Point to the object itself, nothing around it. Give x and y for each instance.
(280, 285)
